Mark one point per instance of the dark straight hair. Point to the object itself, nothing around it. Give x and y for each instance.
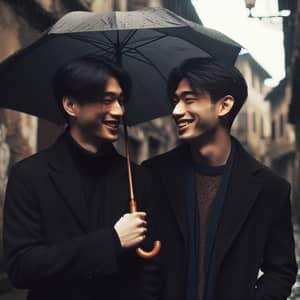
(211, 76)
(85, 80)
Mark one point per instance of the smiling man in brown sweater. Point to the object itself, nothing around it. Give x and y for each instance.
(223, 216)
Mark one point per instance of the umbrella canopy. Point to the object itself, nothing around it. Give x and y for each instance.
(148, 44)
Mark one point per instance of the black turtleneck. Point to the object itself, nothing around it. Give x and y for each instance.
(90, 163)
(93, 169)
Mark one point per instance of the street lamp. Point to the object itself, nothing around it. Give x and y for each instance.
(251, 3)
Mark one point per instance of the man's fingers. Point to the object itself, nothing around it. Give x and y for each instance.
(143, 230)
(140, 214)
(142, 237)
(141, 223)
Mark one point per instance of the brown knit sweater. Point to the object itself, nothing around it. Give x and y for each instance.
(207, 187)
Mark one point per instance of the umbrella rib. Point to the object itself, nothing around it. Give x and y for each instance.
(150, 41)
(99, 46)
(107, 52)
(147, 61)
(136, 58)
(86, 39)
(108, 38)
(128, 38)
(93, 42)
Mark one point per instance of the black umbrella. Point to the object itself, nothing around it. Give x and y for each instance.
(148, 44)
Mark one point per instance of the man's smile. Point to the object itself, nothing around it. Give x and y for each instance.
(184, 123)
(112, 124)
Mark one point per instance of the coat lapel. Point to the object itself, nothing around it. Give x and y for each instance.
(66, 180)
(179, 187)
(243, 189)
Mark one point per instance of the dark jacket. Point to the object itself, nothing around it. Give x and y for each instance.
(48, 245)
(255, 230)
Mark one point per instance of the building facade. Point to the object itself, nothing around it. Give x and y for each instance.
(292, 43)
(282, 148)
(252, 125)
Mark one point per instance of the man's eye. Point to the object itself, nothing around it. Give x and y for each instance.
(190, 99)
(107, 100)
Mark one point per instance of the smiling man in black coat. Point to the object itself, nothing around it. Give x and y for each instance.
(67, 233)
(223, 216)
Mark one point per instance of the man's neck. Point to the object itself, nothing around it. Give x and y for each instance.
(213, 151)
(83, 141)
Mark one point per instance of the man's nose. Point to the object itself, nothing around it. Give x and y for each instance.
(179, 109)
(117, 109)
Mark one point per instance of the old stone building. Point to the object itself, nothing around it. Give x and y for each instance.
(252, 125)
(282, 150)
(292, 38)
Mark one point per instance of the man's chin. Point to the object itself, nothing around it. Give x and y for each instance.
(199, 136)
(106, 138)
(189, 137)
(109, 138)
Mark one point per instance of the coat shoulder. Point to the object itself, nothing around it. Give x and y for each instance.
(273, 180)
(32, 164)
(269, 177)
(136, 169)
(162, 160)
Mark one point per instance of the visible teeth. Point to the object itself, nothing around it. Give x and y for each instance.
(180, 125)
(112, 124)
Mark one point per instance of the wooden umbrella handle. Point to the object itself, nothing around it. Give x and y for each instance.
(157, 244)
(140, 251)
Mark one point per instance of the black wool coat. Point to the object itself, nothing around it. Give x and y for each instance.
(255, 230)
(49, 248)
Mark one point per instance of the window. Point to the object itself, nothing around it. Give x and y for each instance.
(262, 129)
(273, 128)
(134, 147)
(153, 146)
(281, 125)
(254, 121)
(242, 121)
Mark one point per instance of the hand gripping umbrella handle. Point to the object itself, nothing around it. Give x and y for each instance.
(157, 244)
(140, 251)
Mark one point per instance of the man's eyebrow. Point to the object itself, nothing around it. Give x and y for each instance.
(187, 93)
(112, 94)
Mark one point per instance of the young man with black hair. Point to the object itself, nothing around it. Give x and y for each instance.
(67, 233)
(223, 215)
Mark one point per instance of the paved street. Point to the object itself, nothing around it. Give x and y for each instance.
(296, 289)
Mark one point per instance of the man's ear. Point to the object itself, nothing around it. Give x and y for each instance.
(225, 105)
(70, 106)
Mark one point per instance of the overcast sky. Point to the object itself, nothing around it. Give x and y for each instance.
(262, 38)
